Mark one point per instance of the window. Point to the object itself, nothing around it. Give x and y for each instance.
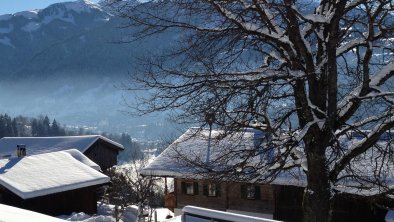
(212, 189)
(250, 192)
(189, 188)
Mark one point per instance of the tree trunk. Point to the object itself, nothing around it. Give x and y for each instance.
(316, 203)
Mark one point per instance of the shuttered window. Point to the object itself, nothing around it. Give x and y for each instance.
(195, 188)
(211, 189)
(250, 192)
(189, 188)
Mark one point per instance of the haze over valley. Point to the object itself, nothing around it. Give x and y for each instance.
(65, 61)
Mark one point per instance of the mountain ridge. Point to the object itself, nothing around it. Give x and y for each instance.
(64, 61)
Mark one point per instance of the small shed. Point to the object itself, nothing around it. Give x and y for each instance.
(99, 149)
(51, 183)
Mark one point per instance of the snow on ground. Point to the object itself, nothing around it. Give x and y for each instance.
(105, 213)
(28, 14)
(13, 214)
(174, 219)
(31, 26)
(163, 213)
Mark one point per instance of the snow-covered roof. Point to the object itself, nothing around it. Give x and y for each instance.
(48, 173)
(83, 159)
(38, 145)
(193, 142)
(14, 214)
(192, 145)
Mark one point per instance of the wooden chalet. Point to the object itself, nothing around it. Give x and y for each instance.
(53, 183)
(99, 149)
(281, 199)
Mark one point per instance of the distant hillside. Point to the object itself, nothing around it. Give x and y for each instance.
(64, 60)
(65, 39)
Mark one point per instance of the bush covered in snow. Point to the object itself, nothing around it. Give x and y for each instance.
(128, 187)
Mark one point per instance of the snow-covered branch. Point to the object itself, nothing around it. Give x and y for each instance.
(251, 27)
(352, 100)
(350, 45)
(383, 75)
(360, 124)
(362, 146)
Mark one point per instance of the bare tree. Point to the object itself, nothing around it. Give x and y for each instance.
(311, 71)
(128, 187)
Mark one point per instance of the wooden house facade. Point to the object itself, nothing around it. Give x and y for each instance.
(104, 153)
(62, 203)
(279, 202)
(280, 199)
(251, 199)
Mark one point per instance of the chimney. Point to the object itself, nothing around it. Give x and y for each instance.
(21, 150)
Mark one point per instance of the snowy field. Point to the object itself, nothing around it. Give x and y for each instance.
(105, 213)
(13, 214)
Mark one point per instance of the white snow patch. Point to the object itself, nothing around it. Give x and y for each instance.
(31, 26)
(304, 130)
(6, 41)
(82, 217)
(13, 214)
(82, 6)
(316, 18)
(105, 19)
(349, 45)
(60, 16)
(346, 102)
(175, 219)
(105, 213)
(83, 159)
(311, 192)
(28, 14)
(78, 216)
(43, 174)
(386, 70)
(163, 213)
(352, 3)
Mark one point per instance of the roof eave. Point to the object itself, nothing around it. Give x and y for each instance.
(44, 192)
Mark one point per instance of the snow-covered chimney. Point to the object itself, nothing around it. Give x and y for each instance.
(21, 150)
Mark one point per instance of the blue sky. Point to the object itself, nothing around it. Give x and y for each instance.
(12, 6)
